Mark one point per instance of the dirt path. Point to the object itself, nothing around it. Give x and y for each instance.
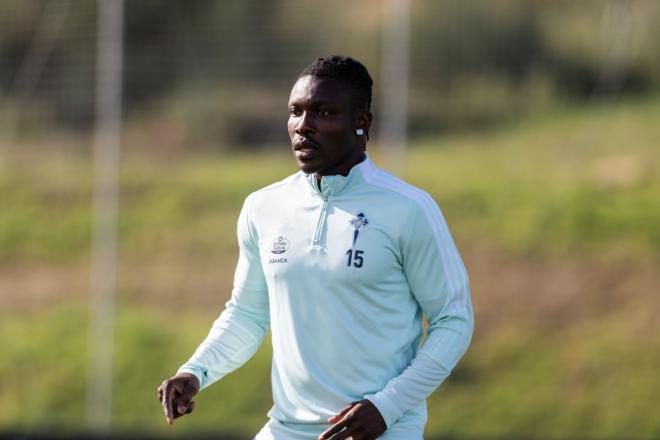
(503, 287)
(550, 293)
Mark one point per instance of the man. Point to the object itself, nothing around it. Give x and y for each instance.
(340, 261)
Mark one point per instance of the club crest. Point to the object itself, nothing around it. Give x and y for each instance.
(358, 222)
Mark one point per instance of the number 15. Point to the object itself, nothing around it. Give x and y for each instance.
(354, 257)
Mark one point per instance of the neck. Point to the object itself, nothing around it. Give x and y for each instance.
(344, 168)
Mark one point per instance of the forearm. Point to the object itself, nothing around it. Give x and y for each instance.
(439, 282)
(234, 337)
(237, 334)
(446, 344)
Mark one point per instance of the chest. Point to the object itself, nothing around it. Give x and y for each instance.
(331, 241)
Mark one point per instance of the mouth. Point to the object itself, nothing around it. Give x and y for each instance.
(305, 149)
(304, 145)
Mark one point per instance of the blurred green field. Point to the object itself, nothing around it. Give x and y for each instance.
(556, 216)
(582, 181)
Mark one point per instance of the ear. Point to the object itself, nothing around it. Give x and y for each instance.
(363, 120)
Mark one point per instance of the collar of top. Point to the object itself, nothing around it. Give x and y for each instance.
(336, 184)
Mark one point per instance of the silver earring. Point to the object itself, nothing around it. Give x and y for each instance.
(359, 132)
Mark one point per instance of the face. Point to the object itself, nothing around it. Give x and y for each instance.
(322, 124)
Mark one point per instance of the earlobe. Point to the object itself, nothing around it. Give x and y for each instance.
(363, 121)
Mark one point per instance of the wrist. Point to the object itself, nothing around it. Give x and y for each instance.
(192, 376)
(388, 410)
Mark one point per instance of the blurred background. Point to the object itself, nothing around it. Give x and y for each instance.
(130, 133)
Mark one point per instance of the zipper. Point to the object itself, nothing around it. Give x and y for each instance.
(320, 224)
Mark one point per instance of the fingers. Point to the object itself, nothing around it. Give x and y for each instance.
(168, 389)
(184, 407)
(337, 417)
(359, 421)
(343, 424)
(181, 403)
(355, 434)
(351, 432)
(175, 395)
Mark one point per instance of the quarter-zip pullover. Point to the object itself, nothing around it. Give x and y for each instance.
(341, 271)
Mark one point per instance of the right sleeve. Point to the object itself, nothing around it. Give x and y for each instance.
(237, 334)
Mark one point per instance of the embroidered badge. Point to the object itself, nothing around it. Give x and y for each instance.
(358, 221)
(280, 245)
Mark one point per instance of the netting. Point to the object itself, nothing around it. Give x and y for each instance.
(215, 70)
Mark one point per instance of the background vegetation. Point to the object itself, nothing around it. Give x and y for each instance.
(472, 64)
(534, 132)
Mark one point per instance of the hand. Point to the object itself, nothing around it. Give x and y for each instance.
(358, 421)
(175, 395)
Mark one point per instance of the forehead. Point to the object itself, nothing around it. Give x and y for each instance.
(310, 90)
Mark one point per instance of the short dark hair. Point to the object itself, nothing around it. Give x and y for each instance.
(345, 69)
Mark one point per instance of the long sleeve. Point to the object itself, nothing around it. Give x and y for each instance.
(239, 331)
(439, 283)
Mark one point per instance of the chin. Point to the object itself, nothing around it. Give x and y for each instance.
(308, 168)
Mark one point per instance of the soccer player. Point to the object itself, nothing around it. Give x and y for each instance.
(339, 261)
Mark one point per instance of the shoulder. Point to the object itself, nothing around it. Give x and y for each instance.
(274, 190)
(401, 194)
(414, 211)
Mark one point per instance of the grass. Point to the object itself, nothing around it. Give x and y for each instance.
(585, 380)
(576, 188)
(44, 376)
(575, 182)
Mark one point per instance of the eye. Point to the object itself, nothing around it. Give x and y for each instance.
(324, 113)
(294, 111)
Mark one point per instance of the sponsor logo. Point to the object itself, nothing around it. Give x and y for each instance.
(280, 245)
(277, 260)
(358, 222)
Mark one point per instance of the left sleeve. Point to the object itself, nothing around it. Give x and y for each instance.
(438, 280)
(239, 331)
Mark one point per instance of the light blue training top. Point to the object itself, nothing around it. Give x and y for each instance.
(341, 273)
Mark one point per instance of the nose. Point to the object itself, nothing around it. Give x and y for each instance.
(304, 123)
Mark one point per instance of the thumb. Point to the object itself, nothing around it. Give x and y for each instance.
(182, 406)
(186, 406)
(184, 400)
